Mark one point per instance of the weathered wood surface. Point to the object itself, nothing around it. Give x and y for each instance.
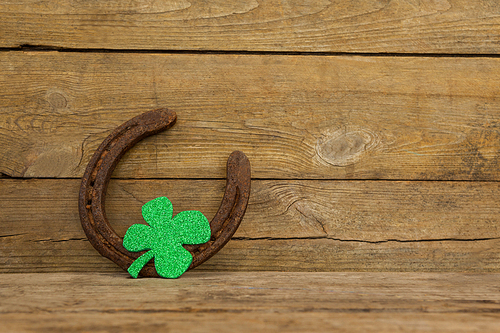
(289, 226)
(250, 302)
(417, 26)
(308, 121)
(301, 117)
(317, 321)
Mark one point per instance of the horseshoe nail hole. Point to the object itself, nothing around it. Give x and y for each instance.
(212, 239)
(92, 182)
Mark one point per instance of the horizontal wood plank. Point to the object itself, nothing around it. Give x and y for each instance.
(289, 225)
(300, 117)
(415, 26)
(318, 321)
(250, 301)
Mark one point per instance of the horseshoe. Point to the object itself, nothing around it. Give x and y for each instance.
(97, 176)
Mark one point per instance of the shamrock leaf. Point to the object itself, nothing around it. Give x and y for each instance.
(164, 238)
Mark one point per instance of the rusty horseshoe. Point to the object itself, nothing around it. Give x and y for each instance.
(97, 176)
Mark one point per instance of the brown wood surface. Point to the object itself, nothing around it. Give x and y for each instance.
(317, 321)
(301, 117)
(301, 225)
(372, 128)
(250, 301)
(401, 26)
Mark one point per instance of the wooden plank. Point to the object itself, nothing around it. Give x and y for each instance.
(415, 26)
(249, 301)
(250, 322)
(289, 225)
(294, 116)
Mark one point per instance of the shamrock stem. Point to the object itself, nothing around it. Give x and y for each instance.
(139, 263)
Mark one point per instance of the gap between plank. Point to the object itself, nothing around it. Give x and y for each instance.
(250, 239)
(366, 241)
(4, 176)
(45, 48)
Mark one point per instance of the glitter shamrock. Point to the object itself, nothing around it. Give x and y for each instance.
(164, 238)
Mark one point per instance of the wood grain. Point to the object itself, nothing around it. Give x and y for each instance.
(296, 117)
(318, 321)
(289, 225)
(250, 301)
(401, 26)
(374, 150)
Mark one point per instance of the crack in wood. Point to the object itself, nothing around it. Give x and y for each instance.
(60, 240)
(366, 241)
(45, 48)
(13, 235)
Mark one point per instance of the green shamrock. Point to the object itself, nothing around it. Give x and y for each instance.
(164, 238)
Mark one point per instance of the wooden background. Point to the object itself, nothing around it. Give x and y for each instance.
(372, 127)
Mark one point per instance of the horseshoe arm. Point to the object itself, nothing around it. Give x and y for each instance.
(98, 173)
(231, 211)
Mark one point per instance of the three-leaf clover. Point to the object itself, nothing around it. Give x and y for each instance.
(164, 238)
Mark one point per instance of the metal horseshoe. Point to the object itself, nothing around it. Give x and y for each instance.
(97, 176)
